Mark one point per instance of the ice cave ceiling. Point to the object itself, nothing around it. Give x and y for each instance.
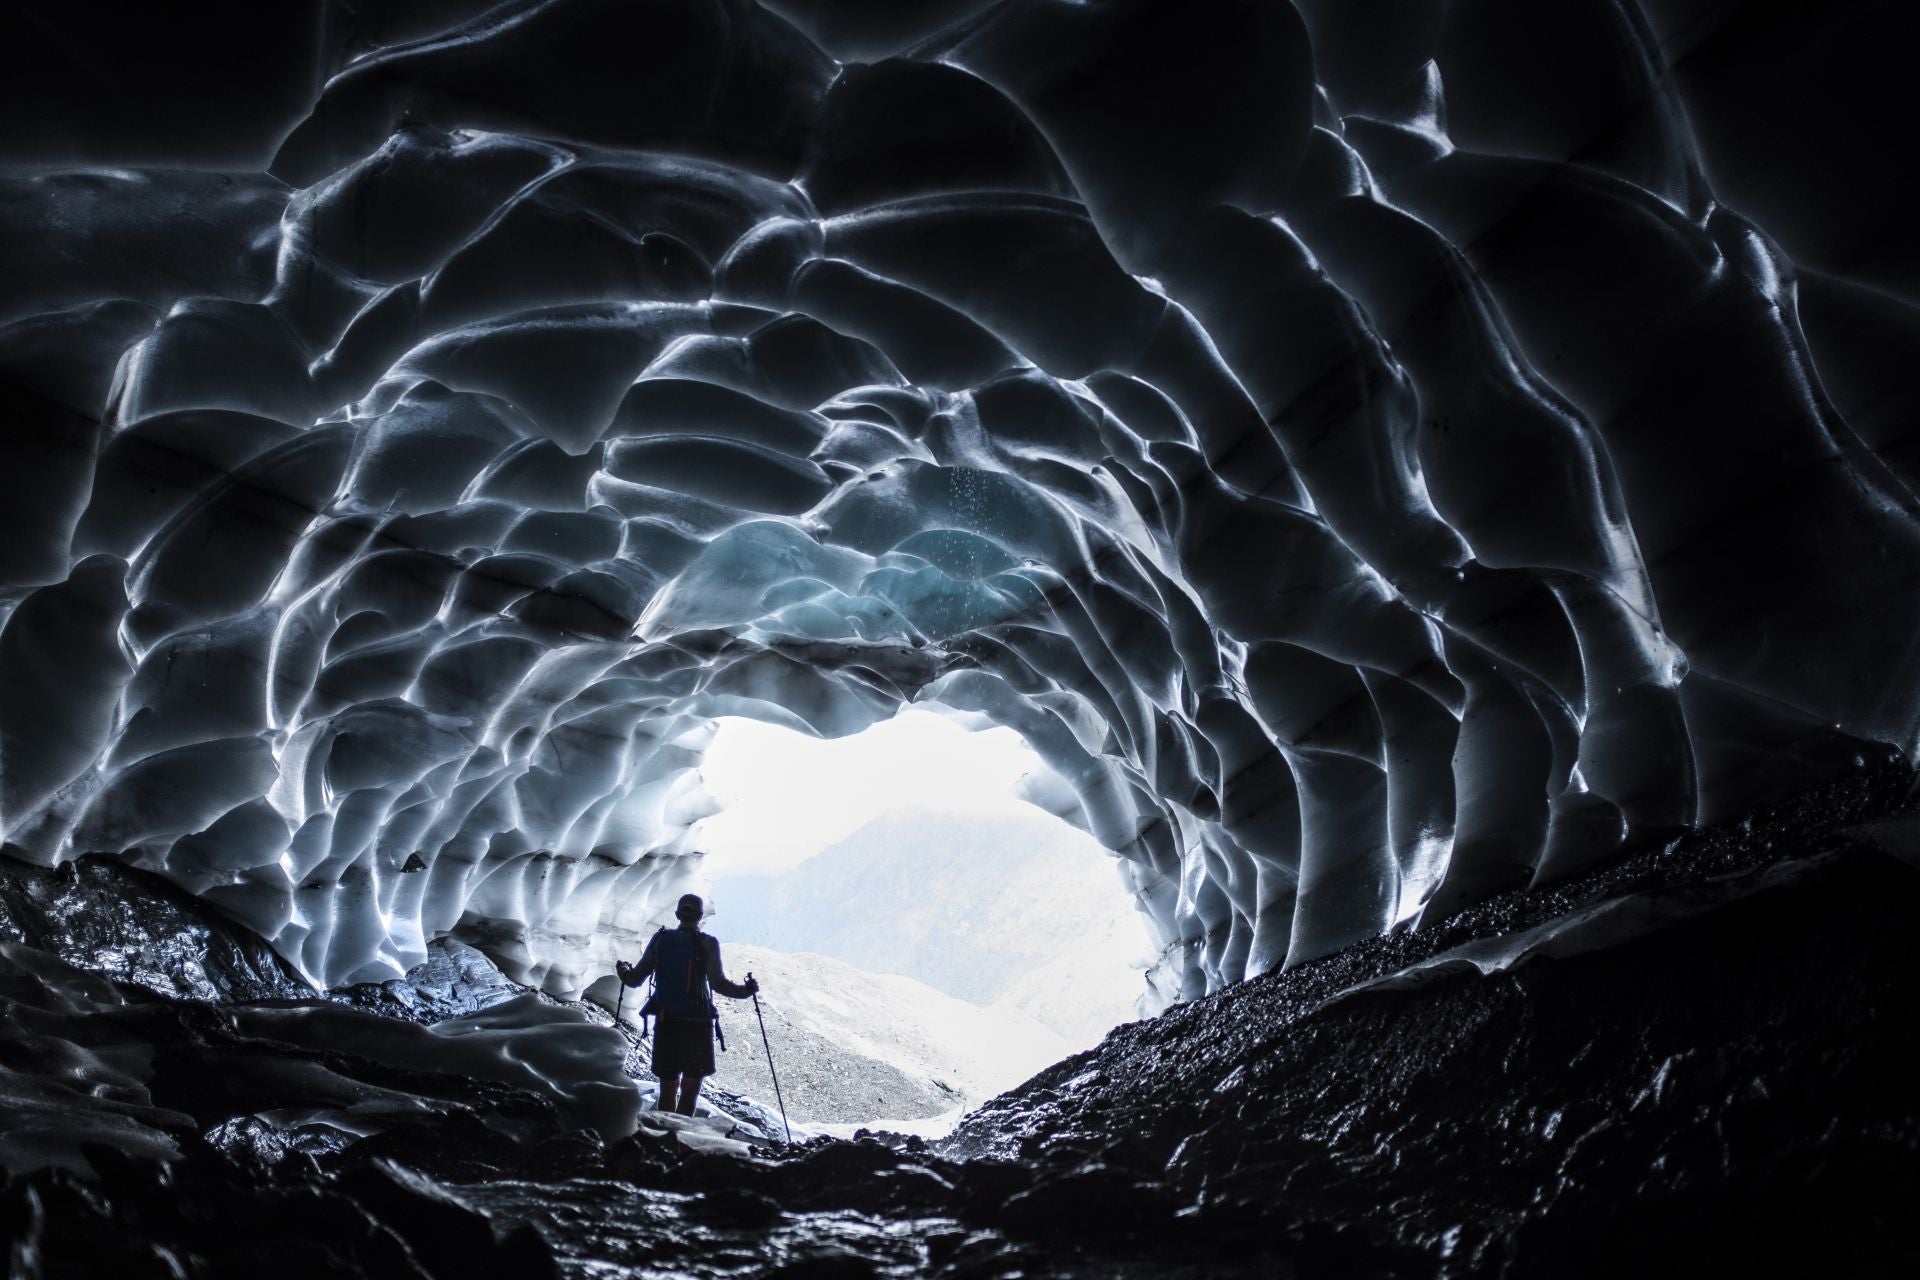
(1377, 453)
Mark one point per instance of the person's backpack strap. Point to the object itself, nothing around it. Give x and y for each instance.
(651, 1008)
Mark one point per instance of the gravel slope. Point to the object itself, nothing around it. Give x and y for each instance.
(852, 1046)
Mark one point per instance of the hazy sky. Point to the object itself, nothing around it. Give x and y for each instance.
(788, 795)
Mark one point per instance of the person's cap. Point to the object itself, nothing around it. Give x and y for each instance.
(690, 908)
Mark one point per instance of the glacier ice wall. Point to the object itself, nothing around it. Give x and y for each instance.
(1376, 453)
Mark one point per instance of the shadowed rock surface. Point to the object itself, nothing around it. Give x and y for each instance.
(1698, 1057)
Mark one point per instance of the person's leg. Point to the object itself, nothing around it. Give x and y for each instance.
(669, 1093)
(689, 1093)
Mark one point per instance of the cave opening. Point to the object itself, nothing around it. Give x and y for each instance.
(929, 934)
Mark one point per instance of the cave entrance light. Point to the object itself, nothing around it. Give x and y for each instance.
(925, 936)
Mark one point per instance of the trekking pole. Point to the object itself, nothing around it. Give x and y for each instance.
(768, 1045)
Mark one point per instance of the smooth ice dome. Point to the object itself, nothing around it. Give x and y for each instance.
(1380, 480)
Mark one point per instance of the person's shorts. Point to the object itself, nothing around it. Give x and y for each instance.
(682, 1047)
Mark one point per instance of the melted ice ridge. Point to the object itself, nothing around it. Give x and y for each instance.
(1359, 507)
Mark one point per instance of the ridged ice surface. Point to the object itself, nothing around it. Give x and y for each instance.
(1357, 445)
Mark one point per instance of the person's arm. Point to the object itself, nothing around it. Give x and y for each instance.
(634, 975)
(717, 977)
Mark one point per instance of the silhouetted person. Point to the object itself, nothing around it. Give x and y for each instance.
(685, 966)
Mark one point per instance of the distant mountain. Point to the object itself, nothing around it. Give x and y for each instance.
(854, 1047)
(1022, 912)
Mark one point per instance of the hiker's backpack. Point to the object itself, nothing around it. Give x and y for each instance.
(680, 977)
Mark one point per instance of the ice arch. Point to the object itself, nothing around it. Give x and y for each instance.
(1378, 479)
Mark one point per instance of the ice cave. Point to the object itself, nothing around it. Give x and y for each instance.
(1434, 484)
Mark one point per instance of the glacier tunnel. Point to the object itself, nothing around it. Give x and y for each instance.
(1436, 481)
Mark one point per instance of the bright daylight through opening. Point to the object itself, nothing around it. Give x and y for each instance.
(926, 936)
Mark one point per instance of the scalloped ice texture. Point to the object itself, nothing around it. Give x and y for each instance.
(1370, 471)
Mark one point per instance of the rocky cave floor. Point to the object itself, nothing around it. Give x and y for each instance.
(1696, 1057)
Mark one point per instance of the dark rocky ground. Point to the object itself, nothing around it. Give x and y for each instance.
(1698, 1058)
